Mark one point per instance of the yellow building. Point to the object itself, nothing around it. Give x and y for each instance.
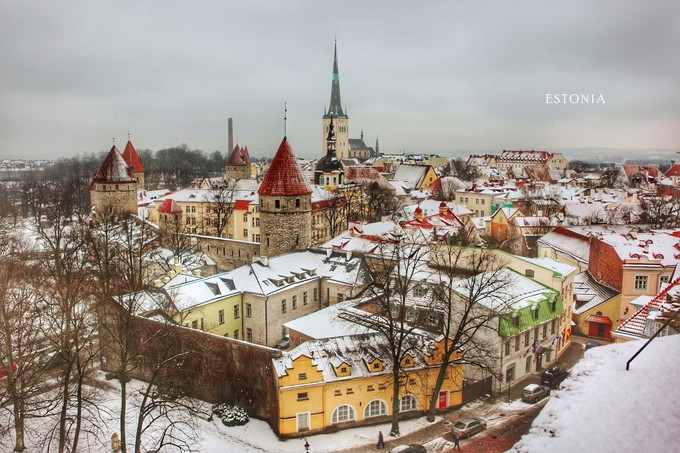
(347, 381)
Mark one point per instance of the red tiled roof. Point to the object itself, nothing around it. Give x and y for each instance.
(635, 325)
(132, 159)
(284, 176)
(242, 205)
(114, 169)
(239, 156)
(673, 171)
(632, 170)
(170, 206)
(599, 319)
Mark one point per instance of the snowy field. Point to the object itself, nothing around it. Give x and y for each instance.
(604, 408)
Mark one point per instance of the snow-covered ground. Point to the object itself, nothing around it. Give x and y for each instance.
(604, 408)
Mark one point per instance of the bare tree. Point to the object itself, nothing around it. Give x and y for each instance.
(662, 208)
(334, 208)
(389, 310)
(220, 206)
(465, 276)
(19, 338)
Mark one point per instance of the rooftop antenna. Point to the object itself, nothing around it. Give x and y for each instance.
(285, 119)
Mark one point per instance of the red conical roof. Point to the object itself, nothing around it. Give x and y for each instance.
(132, 159)
(169, 205)
(239, 156)
(114, 169)
(284, 176)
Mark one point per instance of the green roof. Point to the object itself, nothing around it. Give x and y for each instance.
(508, 327)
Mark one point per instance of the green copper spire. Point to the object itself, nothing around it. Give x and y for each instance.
(335, 108)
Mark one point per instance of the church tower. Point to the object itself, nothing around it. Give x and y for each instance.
(285, 206)
(329, 171)
(336, 112)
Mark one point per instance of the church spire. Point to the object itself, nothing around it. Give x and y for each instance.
(335, 108)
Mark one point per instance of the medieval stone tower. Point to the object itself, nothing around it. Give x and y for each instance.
(338, 115)
(134, 163)
(238, 164)
(113, 191)
(285, 206)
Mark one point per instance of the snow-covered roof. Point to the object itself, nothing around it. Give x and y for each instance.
(561, 269)
(657, 246)
(568, 243)
(326, 323)
(589, 293)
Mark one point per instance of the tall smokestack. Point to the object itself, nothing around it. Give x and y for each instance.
(231, 137)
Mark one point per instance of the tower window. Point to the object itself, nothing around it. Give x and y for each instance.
(277, 204)
(297, 202)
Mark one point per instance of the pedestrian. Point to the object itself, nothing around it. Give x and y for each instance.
(381, 440)
(456, 442)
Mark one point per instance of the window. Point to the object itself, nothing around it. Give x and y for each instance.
(294, 302)
(316, 294)
(297, 202)
(517, 343)
(529, 272)
(236, 313)
(375, 408)
(343, 413)
(408, 403)
(510, 374)
(236, 334)
(221, 315)
(526, 338)
(641, 282)
(245, 233)
(302, 376)
(350, 391)
(245, 217)
(370, 388)
(256, 238)
(194, 324)
(341, 297)
(304, 298)
(249, 311)
(507, 347)
(337, 393)
(545, 330)
(419, 291)
(343, 369)
(303, 421)
(302, 396)
(527, 365)
(283, 306)
(663, 281)
(553, 326)
(277, 204)
(249, 334)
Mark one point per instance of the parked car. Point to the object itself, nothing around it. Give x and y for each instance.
(591, 344)
(553, 377)
(534, 392)
(411, 448)
(467, 427)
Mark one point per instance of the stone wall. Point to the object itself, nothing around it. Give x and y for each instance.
(118, 198)
(208, 367)
(284, 232)
(604, 264)
(228, 253)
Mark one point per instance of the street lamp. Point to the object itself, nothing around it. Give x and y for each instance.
(306, 444)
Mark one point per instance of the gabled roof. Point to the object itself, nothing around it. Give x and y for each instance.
(284, 176)
(132, 159)
(169, 206)
(239, 156)
(113, 170)
(673, 171)
(589, 293)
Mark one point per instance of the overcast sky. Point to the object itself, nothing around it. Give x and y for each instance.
(422, 76)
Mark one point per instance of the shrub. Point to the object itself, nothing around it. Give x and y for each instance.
(231, 415)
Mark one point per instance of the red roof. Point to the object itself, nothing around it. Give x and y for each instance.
(673, 171)
(242, 205)
(632, 170)
(114, 169)
(170, 206)
(284, 176)
(239, 156)
(132, 159)
(599, 319)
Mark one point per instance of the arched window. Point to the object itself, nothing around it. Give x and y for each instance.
(375, 408)
(343, 413)
(408, 403)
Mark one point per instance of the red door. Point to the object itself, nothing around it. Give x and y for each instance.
(442, 400)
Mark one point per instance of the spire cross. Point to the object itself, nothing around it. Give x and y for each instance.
(285, 119)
